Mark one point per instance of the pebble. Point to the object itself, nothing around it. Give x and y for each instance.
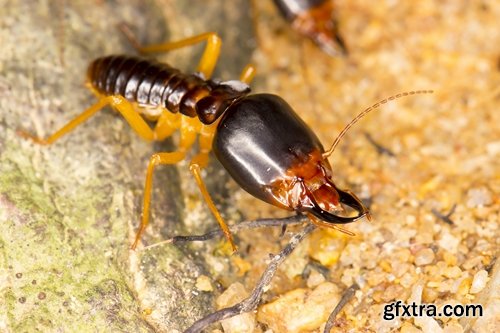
(243, 323)
(403, 255)
(374, 278)
(479, 281)
(424, 257)
(464, 286)
(449, 258)
(428, 325)
(477, 197)
(429, 295)
(452, 272)
(326, 248)
(407, 327)
(449, 242)
(300, 310)
(315, 279)
(416, 293)
(408, 279)
(453, 327)
(393, 292)
(203, 283)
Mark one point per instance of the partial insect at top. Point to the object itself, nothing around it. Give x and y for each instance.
(316, 20)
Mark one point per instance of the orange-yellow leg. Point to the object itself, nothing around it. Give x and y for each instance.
(247, 74)
(156, 159)
(166, 124)
(119, 103)
(189, 128)
(200, 161)
(208, 60)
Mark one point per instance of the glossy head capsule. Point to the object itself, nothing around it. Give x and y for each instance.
(272, 154)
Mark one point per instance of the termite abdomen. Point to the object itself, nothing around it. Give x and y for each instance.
(154, 84)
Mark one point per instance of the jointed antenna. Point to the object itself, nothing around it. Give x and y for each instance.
(371, 108)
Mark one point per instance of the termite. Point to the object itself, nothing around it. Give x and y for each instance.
(314, 19)
(263, 144)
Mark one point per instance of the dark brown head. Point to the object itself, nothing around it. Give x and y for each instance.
(221, 96)
(276, 157)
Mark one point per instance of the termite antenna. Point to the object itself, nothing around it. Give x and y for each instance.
(371, 108)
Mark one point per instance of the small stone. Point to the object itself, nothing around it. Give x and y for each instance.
(432, 270)
(374, 278)
(300, 310)
(203, 283)
(394, 291)
(493, 148)
(453, 327)
(315, 279)
(429, 295)
(242, 323)
(403, 255)
(242, 265)
(448, 242)
(479, 281)
(416, 293)
(452, 272)
(449, 258)
(385, 265)
(472, 262)
(326, 247)
(464, 286)
(424, 257)
(400, 268)
(407, 327)
(477, 197)
(351, 255)
(446, 286)
(428, 324)
(408, 279)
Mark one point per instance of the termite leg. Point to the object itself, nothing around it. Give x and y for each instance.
(197, 163)
(208, 60)
(119, 103)
(247, 74)
(156, 159)
(167, 123)
(189, 128)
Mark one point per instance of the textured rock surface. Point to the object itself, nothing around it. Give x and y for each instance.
(68, 211)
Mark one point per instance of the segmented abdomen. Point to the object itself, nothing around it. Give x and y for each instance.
(147, 82)
(151, 83)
